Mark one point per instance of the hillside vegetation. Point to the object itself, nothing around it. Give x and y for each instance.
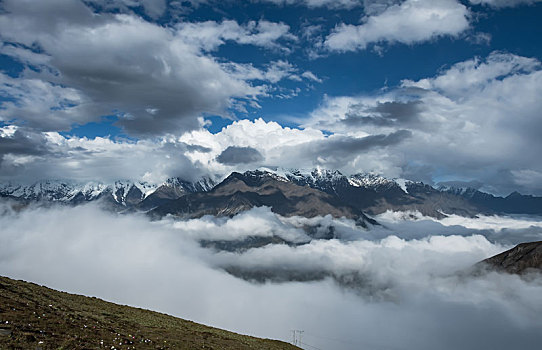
(36, 317)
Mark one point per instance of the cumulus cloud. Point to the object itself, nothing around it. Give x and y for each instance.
(476, 74)
(482, 114)
(155, 79)
(409, 22)
(29, 156)
(153, 8)
(209, 35)
(270, 139)
(43, 105)
(408, 285)
(243, 145)
(289, 148)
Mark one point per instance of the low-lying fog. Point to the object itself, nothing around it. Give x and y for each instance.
(402, 285)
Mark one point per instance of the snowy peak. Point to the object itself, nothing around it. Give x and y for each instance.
(460, 191)
(202, 185)
(378, 183)
(123, 192)
(52, 190)
(368, 180)
(370, 193)
(331, 180)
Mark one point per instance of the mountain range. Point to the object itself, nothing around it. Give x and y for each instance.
(305, 193)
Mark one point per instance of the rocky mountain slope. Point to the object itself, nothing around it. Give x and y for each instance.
(331, 193)
(35, 317)
(240, 192)
(521, 259)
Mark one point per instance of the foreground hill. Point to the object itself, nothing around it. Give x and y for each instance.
(522, 258)
(36, 317)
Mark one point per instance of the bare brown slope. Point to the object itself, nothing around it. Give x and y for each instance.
(240, 192)
(522, 258)
(33, 317)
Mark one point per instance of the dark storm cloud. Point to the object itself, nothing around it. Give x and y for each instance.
(239, 155)
(384, 114)
(153, 8)
(23, 143)
(335, 151)
(198, 148)
(345, 146)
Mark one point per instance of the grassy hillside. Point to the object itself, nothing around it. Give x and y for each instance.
(36, 317)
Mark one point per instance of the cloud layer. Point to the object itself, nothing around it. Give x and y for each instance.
(408, 290)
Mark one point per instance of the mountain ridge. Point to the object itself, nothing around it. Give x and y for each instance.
(369, 193)
(523, 258)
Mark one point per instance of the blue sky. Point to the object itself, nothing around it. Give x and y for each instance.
(425, 90)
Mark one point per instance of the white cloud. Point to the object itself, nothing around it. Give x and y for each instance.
(100, 159)
(503, 3)
(477, 120)
(311, 76)
(106, 159)
(289, 148)
(90, 56)
(273, 72)
(409, 285)
(153, 8)
(209, 35)
(333, 4)
(409, 22)
(269, 138)
(42, 104)
(476, 74)
(257, 222)
(504, 229)
(481, 113)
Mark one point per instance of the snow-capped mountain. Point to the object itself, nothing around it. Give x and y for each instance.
(375, 194)
(366, 193)
(126, 193)
(57, 190)
(332, 180)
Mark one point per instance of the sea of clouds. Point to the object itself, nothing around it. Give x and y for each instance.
(402, 285)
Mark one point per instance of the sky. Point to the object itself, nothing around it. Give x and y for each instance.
(432, 91)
